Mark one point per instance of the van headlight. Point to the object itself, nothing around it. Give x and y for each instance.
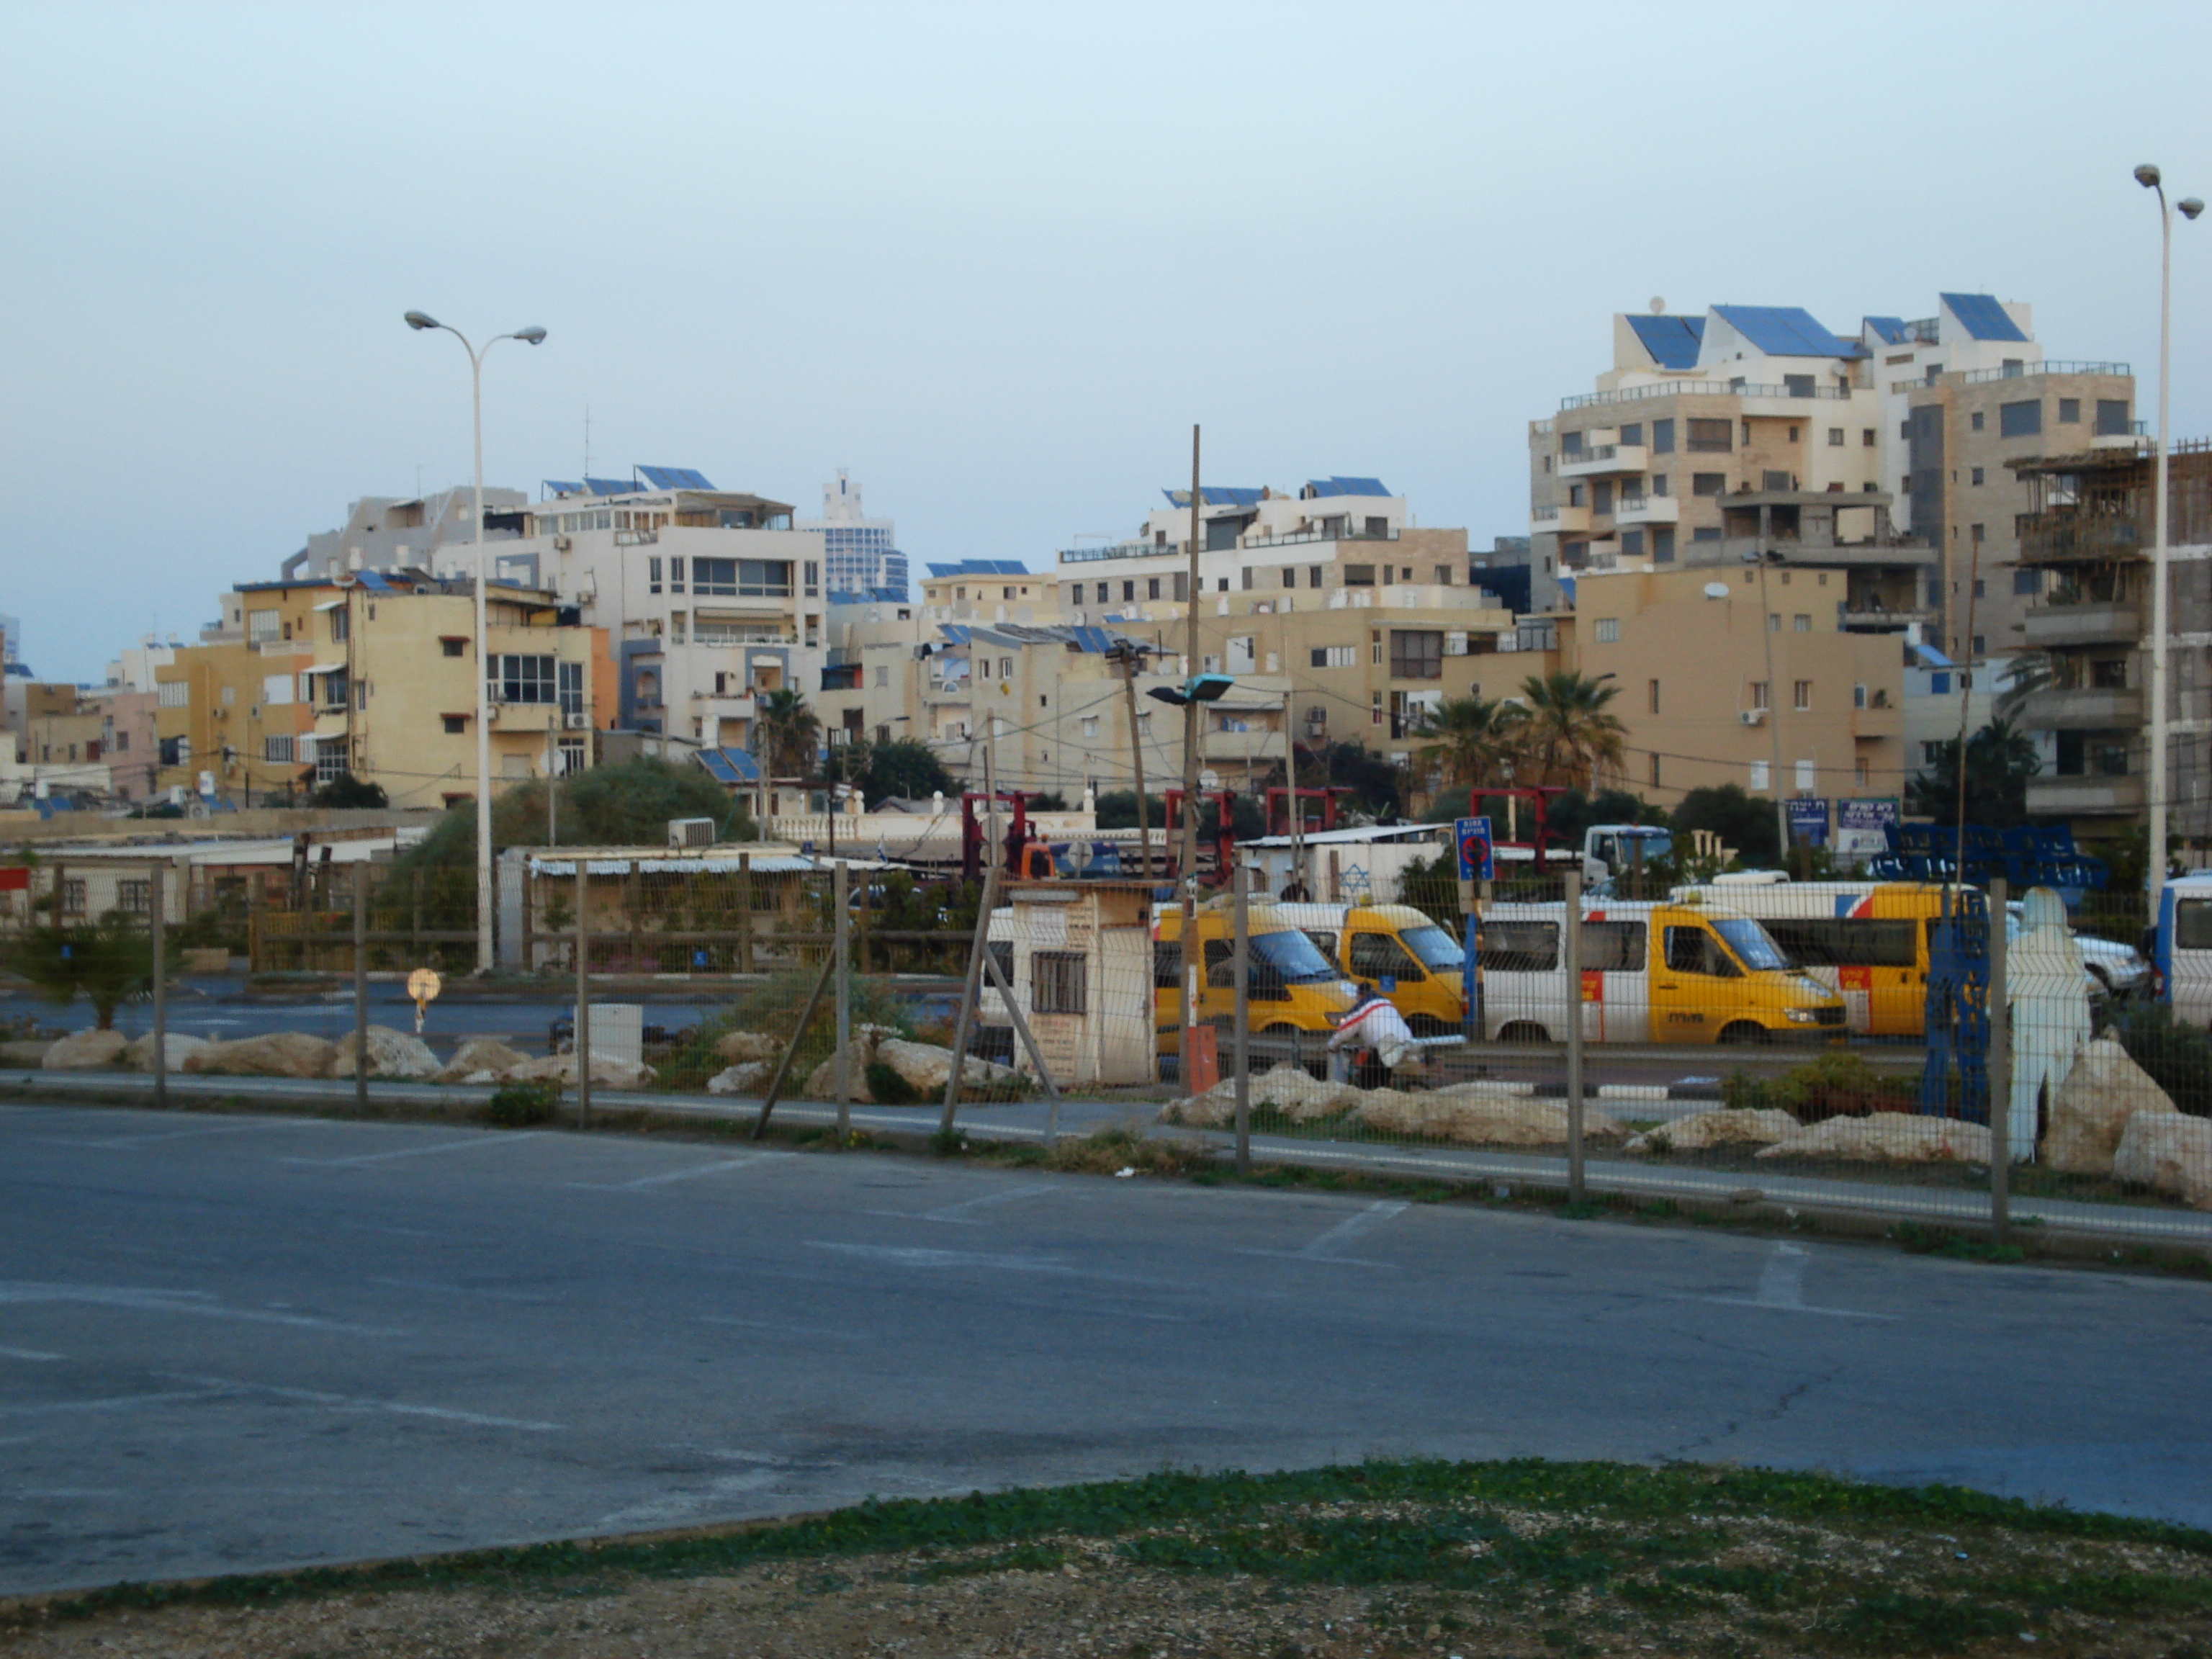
(1802, 1016)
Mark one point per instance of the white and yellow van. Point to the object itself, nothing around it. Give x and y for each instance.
(1866, 940)
(1397, 951)
(1296, 992)
(1674, 971)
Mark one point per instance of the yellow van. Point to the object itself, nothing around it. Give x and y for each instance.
(1397, 951)
(1866, 940)
(1296, 992)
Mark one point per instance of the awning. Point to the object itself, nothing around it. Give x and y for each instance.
(331, 605)
(323, 668)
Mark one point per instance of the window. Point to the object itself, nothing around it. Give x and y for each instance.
(1655, 771)
(813, 574)
(1359, 575)
(1313, 575)
(572, 688)
(1858, 697)
(455, 725)
(1662, 543)
(1759, 774)
(1797, 386)
(1333, 656)
(1416, 655)
(1759, 694)
(1570, 443)
(1977, 420)
(1101, 593)
(1710, 436)
(1708, 483)
(1800, 623)
(1866, 437)
(1221, 584)
(1517, 947)
(1663, 437)
(72, 895)
(341, 623)
(1090, 724)
(1975, 478)
(1835, 437)
(1803, 699)
(178, 694)
(1606, 631)
(676, 575)
(1705, 533)
(1632, 543)
(1152, 588)
(1058, 982)
(261, 627)
(1129, 592)
(1631, 432)
(1575, 495)
(1974, 535)
(1659, 483)
(1694, 951)
(2109, 674)
(511, 679)
(276, 750)
(1981, 587)
(1654, 696)
(1290, 575)
(2113, 417)
(1444, 575)
(2021, 420)
(1805, 785)
(334, 688)
(2027, 582)
(1862, 772)
(331, 760)
(2069, 412)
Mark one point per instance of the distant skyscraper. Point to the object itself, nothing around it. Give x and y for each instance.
(860, 553)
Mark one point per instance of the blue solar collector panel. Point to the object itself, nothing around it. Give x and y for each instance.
(1984, 319)
(1673, 342)
(564, 486)
(611, 486)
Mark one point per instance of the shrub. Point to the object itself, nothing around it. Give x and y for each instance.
(2176, 1054)
(520, 1105)
(888, 1088)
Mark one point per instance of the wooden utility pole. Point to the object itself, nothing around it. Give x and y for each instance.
(1130, 657)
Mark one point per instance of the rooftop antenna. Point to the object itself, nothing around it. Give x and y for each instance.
(587, 441)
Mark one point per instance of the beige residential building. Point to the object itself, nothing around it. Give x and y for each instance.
(304, 682)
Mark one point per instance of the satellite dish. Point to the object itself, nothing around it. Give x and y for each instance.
(1209, 778)
(1658, 306)
(1717, 590)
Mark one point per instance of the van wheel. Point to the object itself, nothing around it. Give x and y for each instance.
(1744, 1031)
(1524, 1030)
(1428, 1025)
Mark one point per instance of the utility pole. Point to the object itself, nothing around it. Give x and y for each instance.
(1130, 656)
(1189, 872)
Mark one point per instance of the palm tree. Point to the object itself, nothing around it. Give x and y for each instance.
(789, 733)
(110, 962)
(1567, 736)
(1470, 742)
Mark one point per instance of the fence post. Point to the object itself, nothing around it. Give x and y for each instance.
(1570, 934)
(2000, 1070)
(1241, 1059)
(257, 899)
(634, 901)
(415, 921)
(581, 1046)
(157, 928)
(744, 912)
(361, 986)
(841, 897)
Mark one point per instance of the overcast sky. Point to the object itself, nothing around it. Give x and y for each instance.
(994, 259)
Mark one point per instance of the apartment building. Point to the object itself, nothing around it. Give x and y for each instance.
(2086, 535)
(303, 682)
(860, 555)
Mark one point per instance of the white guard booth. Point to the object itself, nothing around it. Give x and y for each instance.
(1082, 973)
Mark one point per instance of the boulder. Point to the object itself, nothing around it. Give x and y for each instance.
(606, 1070)
(2169, 1153)
(747, 1077)
(926, 1068)
(747, 1045)
(1723, 1126)
(85, 1051)
(1479, 1120)
(1888, 1138)
(24, 1051)
(391, 1054)
(273, 1053)
(481, 1060)
(139, 1056)
(822, 1081)
(2090, 1110)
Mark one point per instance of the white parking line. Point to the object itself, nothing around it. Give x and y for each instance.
(182, 1134)
(114, 1403)
(688, 1174)
(198, 1303)
(1352, 1225)
(26, 1353)
(958, 1212)
(1781, 1286)
(315, 1396)
(781, 1328)
(503, 1137)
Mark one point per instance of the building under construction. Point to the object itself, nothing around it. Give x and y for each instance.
(2085, 542)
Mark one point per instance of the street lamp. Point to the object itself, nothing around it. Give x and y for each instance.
(416, 319)
(2147, 176)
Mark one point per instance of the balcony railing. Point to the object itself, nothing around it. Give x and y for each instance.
(1628, 394)
(2087, 538)
(1116, 550)
(2029, 371)
(1295, 537)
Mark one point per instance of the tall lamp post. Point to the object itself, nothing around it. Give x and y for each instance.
(2147, 176)
(416, 319)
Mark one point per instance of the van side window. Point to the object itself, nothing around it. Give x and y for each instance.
(1517, 947)
(1377, 956)
(2192, 925)
(1613, 947)
(1323, 942)
(1846, 943)
(1694, 951)
(1221, 964)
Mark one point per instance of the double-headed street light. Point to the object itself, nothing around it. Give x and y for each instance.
(2147, 176)
(417, 319)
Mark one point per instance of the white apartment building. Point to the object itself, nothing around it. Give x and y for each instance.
(860, 555)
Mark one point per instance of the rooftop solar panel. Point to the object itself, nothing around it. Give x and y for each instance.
(1983, 318)
(1673, 342)
(1890, 330)
(1091, 639)
(1784, 331)
(564, 486)
(611, 486)
(374, 583)
(1359, 486)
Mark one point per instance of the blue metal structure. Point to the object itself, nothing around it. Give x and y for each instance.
(1957, 1011)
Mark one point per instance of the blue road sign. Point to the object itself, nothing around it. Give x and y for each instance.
(1472, 836)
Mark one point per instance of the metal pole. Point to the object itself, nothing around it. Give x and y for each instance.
(157, 928)
(1766, 623)
(1129, 658)
(839, 892)
(360, 987)
(1242, 960)
(1187, 1043)
(2156, 864)
(2000, 1070)
(484, 680)
(791, 1049)
(993, 857)
(1571, 954)
(582, 1045)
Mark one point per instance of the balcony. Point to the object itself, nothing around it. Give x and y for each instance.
(2072, 537)
(2053, 625)
(2084, 796)
(1861, 616)
(1604, 460)
(525, 716)
(1647, 509)
(1557, 521)
(715, 706)
(1878, 721)
(2084, 708)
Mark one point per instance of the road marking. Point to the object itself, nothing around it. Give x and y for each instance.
(1781, 1286)
(782, 1329)
(113, 1403)
(198, 1303)
(1352, 1225)
(958, 1212)
(507, 1137)
(26, 1353)
(317, 1397)
(908, 1256)
(677, 1175)
(186, 1134)
(459, 1290)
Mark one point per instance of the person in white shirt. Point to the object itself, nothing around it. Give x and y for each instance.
(1373, 1024)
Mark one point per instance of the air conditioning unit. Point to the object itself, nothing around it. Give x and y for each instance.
(691, 832)
(1753, 717)
(561, 543)
(576, 722)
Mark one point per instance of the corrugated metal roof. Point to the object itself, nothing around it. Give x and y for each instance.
(1983, 317)
(1784, 331)
(1673, 342)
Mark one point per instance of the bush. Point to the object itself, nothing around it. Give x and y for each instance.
(2176, 1054)
(773, 1006)
(520, 1105)
(1835, 1084)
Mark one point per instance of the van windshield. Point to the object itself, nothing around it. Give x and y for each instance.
(1751, 943)
(1435, 947)
(1292, 956)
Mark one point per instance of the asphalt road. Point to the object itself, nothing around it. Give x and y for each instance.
(231, 1342)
